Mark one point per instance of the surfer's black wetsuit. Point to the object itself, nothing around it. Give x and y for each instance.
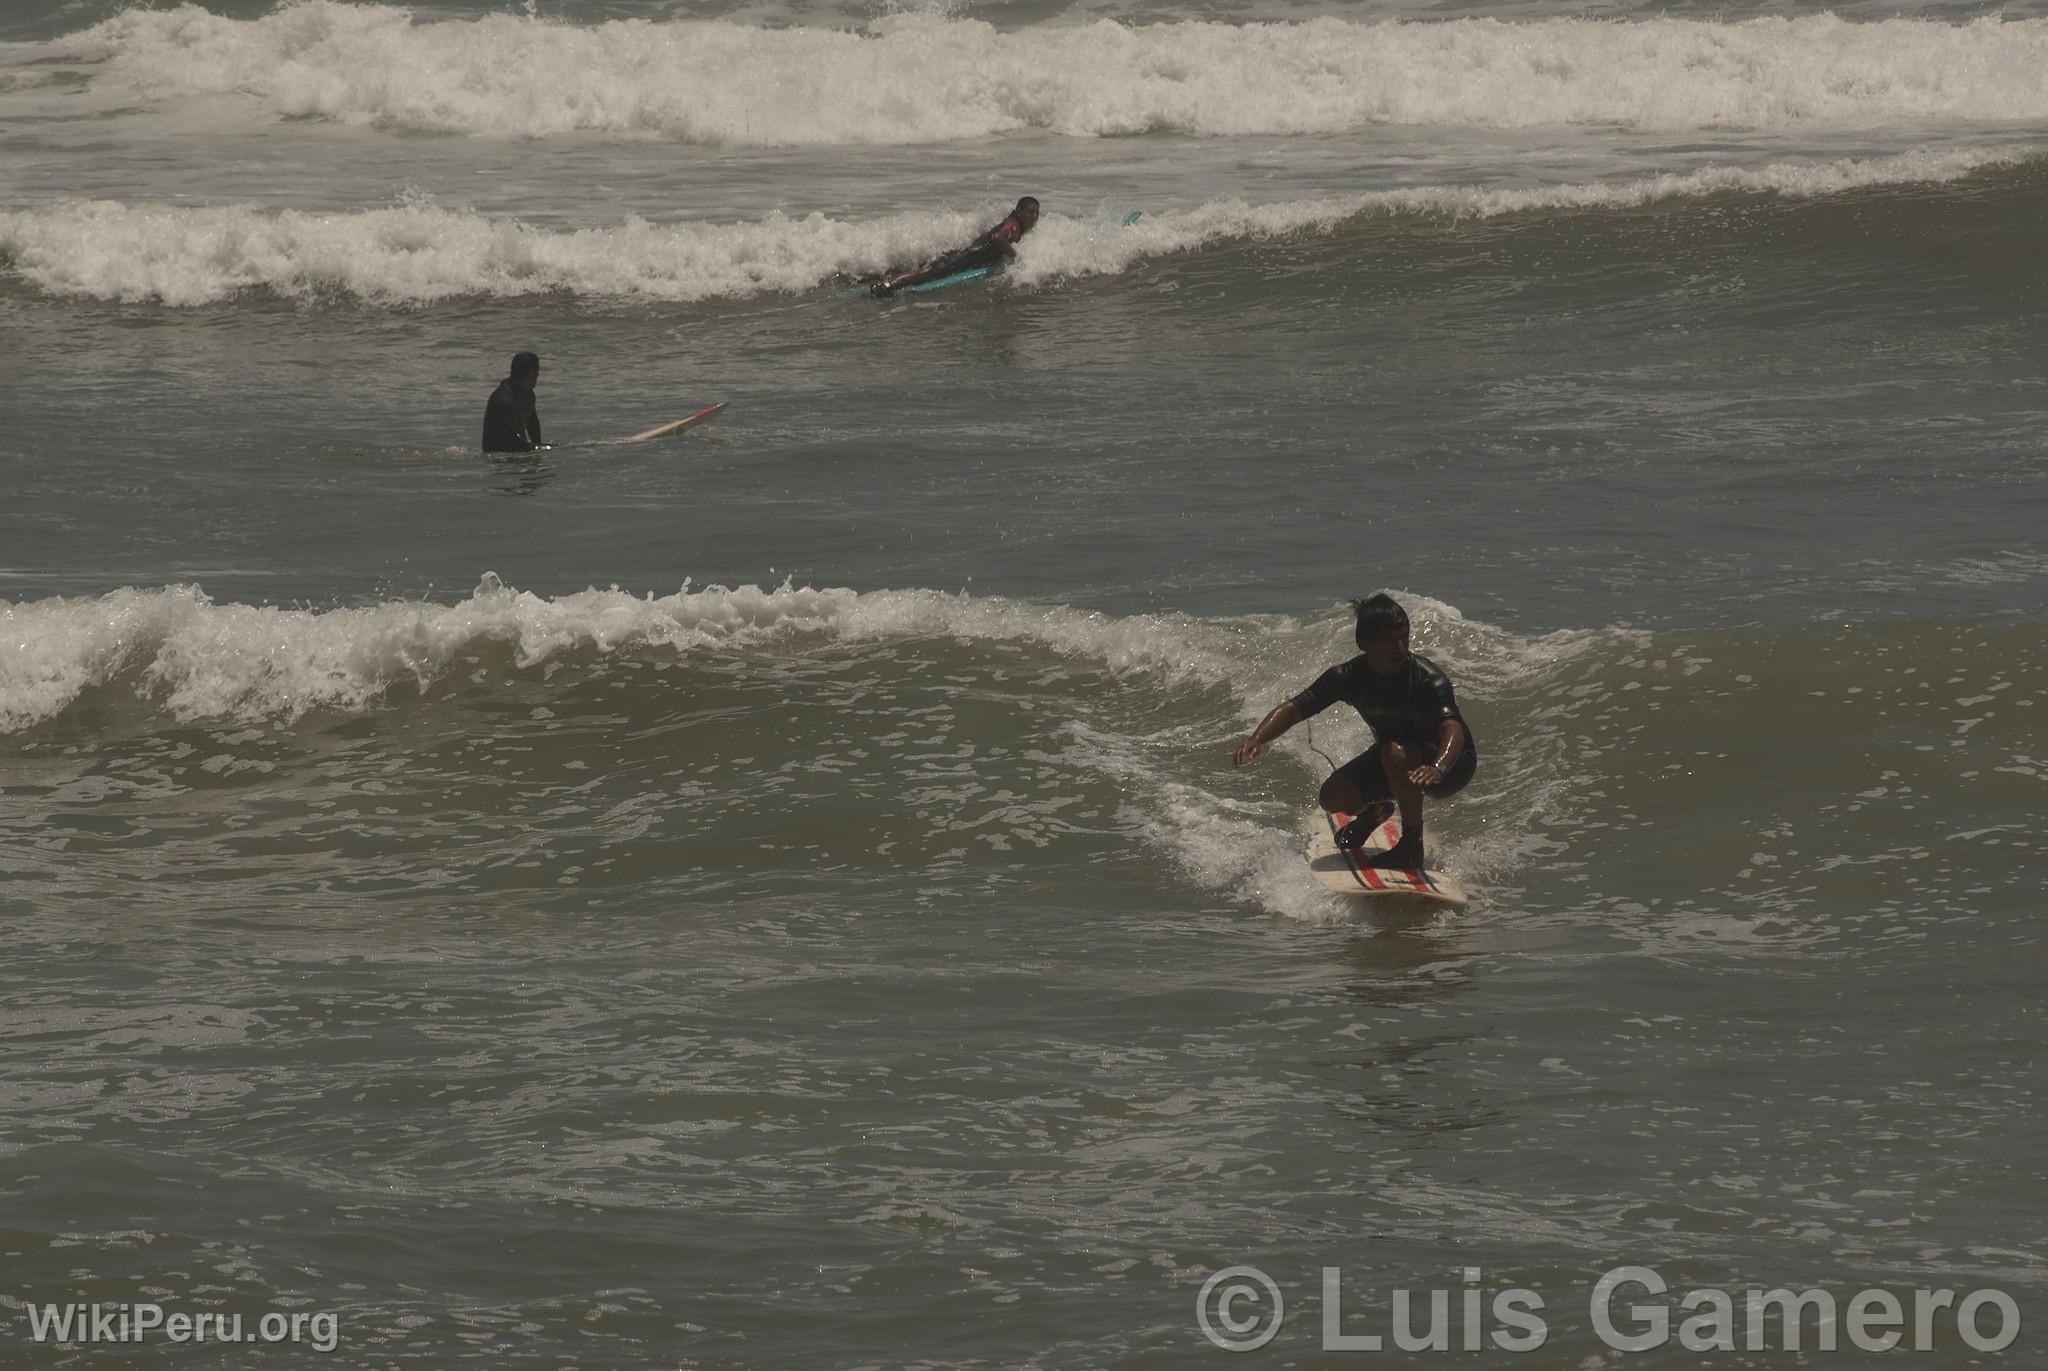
(991, 249)
(1407, 707)
(511, 423)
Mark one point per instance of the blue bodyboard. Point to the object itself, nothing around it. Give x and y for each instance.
(973, 274)
(958, 277)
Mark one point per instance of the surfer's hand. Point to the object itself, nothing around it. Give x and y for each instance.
(1246, 751)
(1429, 773)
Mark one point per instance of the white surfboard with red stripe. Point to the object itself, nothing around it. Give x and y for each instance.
(674, 426)
(1341, 873)
(667, 430)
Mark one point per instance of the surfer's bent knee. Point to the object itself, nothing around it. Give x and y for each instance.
(1340, 794)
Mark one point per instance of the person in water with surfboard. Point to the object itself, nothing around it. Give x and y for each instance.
(1421, 746)
(997, 246)
(511, 423)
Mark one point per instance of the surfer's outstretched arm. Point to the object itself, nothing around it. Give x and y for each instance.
(1285, 715)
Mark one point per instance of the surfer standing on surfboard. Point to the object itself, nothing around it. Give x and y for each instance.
(511, 423)
(993, 248)
(1420, 743)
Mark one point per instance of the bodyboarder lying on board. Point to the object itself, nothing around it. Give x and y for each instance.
(511, 423)
(997, 246)
(1421, 746)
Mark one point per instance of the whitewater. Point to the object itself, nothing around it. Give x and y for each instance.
(203, 660)
(419, 252)
(920, 78)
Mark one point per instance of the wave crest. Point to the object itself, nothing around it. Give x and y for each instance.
(914, 78)
(418, 253)
(202, 660)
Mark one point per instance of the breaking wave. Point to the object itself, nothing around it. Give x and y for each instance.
(418, 252)
(915, 78)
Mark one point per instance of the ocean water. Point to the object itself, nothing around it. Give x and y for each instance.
(779, 898)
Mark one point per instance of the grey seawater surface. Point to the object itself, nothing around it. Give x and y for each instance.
(898, 973)
(1718, 409)
(946, 996)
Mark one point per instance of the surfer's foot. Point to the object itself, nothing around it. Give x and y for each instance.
(1405, 855)
(1352, 836)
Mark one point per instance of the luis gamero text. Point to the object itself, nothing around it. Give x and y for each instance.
(1634, 1309)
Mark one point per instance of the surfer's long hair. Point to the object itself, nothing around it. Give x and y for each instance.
(1377, 615)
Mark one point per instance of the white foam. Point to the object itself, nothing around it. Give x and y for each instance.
(208, 660)
(418, 252)
(911, 78)
(1252, 853)
(203, 660)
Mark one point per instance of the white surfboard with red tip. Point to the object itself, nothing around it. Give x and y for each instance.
(674, 426)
